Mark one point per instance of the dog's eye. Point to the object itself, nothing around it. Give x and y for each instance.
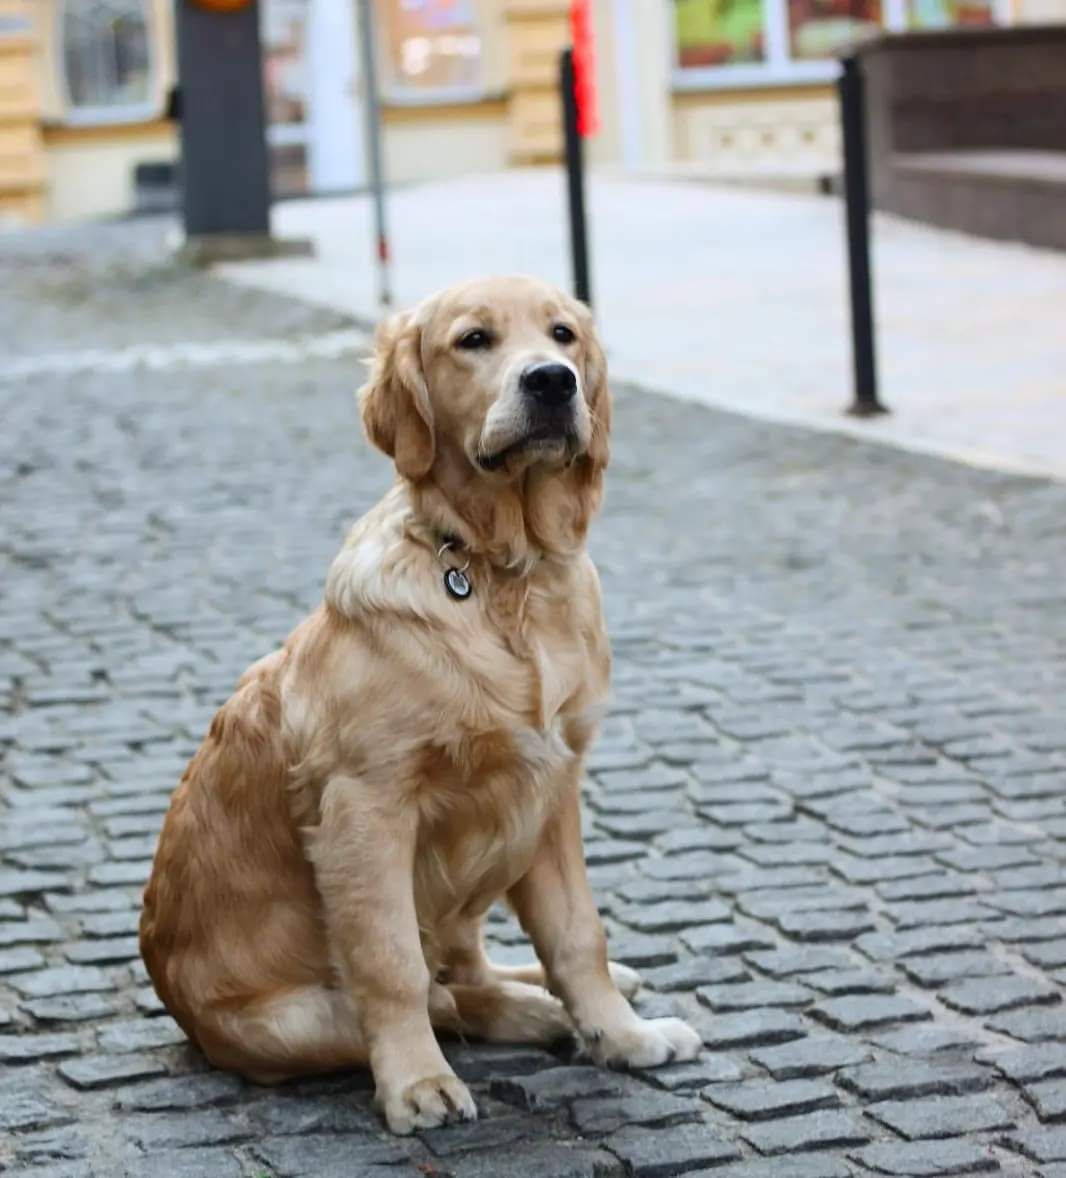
(562, 334)
(471, 341)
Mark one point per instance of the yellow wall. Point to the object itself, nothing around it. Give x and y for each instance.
(21, 159)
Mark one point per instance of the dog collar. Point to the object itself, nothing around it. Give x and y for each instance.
(456, 582)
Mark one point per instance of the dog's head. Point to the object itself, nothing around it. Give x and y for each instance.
(500, 374)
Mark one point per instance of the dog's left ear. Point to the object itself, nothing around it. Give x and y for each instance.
(397, 414)
(599, 398)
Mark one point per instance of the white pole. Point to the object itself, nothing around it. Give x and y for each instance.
(372, 107)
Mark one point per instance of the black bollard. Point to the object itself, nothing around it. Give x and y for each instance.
(857, 211)
(575, 179)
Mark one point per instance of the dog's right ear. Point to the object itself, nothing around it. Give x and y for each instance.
(397, 414)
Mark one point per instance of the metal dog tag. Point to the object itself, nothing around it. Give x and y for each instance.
(457, 584)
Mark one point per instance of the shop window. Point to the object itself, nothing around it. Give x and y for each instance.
(944, 14)
(106, 59)
(760, 42)
(717, 32)
(431, 47)
(820, 29)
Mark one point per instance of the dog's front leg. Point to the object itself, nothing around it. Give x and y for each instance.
(555, 905)
(363, 854)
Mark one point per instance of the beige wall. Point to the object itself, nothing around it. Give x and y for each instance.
(1038, 12)
(422, 143)
(90, 174)
(782, 132)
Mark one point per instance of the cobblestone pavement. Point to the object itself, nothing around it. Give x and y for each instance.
(825, 817)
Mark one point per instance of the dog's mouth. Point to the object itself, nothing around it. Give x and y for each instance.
(541, 438)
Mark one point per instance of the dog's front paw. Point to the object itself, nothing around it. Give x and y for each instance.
(645, 1043)
(427, 1103)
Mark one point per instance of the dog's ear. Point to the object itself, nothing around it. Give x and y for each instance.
(599, 398)
(397, 414)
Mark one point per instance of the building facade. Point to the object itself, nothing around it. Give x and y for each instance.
(738, 89)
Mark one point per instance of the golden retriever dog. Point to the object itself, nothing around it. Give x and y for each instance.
(414, 751)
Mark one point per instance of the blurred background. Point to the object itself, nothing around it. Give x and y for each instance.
(715, 175)
(736, 89)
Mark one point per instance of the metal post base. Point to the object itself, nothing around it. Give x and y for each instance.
(866, 409)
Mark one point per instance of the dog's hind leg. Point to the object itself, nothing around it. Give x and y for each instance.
(297, 1032)
(500, 1012)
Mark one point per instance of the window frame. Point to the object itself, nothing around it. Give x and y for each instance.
(101, 116)
(394, 93)
(779, 68)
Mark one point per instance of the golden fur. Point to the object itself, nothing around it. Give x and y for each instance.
(406, 759)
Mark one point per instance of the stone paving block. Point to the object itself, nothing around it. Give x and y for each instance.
(909, 1079)
(697, 1073)
(1040, 1144)
(936, 969)
(29, 1101)
(738, 937)
(181, 1092)
(539, 1160)
(22, 957)
(27, 1048)
(487, 1133)
(316, 1112)
(558, 1086)
(670, 916)
(824, 926)
(49, 1144)
(62, 980)
(942, 1116)
(197, 1163)
(1048, 1097)
(863, 1012)
(798, 1167)
(1027, 1065)
(834, 982)
(155, 1132)
(71, 1009)
(665, 1152)
(320, 1155)
(753, 995)
(919, 942)
(99, 1071)
(1050, 955)
(751, 1028)
(1032, 1025)
(140, 1034)
(36, 931)
(103, 951)
(761, 1100)
(695, 971)
(605, 1114)
(813, 1056)
(806, 959)
(927, 1159)
(990, 995)
(827, 1129)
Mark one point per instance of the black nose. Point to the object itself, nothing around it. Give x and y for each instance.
(551, 384)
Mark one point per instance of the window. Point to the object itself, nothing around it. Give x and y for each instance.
(431, 48)
(759, 42)
(943, 14)
(820, 29)
(710, 34)
(107, 60)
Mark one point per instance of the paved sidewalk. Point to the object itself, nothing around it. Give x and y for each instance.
(826, 816)
(737, 298)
